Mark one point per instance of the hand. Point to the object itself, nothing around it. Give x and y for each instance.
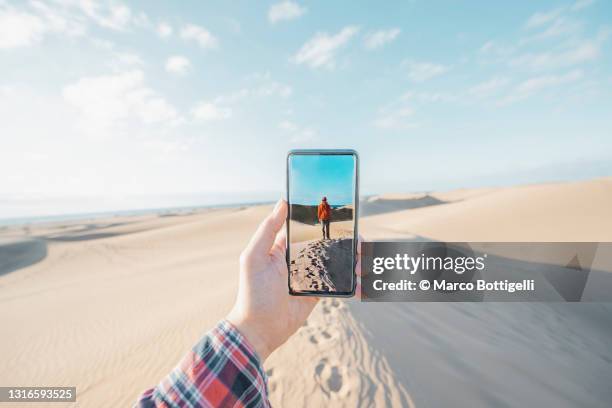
(264, 311)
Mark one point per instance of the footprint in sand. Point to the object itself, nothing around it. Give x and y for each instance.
(329, 377)
(320, 336)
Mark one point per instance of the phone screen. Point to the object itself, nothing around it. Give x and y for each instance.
(322, 197)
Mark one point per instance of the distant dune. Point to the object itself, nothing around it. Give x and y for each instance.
(381, 205)
(112, 305)
(307, 214)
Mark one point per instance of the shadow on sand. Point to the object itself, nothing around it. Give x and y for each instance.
(374, 206)
(20, 253)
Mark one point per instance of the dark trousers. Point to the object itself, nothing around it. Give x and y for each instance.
(325, 228)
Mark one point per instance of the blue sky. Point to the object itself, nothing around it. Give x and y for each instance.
(109, 104)
(313, 177)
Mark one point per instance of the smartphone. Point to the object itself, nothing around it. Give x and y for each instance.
(323, 198)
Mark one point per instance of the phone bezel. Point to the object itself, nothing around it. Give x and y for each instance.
(331, 152)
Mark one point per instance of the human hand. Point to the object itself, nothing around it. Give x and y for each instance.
(264, 312)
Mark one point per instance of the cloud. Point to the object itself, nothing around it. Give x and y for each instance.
(286, 10)
(122, 61)
(488, 87)
(581, 4)
(381, 37)
(320, 50)
(30, 23)
(164, 30)
(582, 52)
(399, 113)
(559, 19)
(19, 29)
(561, 35)
(177, 64)
(423, 71)
(541, 18)
(263, 86)
(115, 17)
(112, 15)
(209, 111)
(298, 133)
(200, 35)
(539, 83)
(105, 101)
(397, 116)
(271, 88)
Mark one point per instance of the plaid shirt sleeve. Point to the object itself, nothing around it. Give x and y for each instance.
(222, 370)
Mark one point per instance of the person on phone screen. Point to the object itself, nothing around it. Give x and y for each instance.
(324, 213)
(225, 368)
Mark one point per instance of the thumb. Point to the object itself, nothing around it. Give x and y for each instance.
(264, 237)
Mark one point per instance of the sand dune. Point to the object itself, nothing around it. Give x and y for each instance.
(322, 265)
(570, 212)
(113, 304)
(303, 232)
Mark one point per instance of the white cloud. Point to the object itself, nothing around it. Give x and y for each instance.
(397, 118)
(558, 19)
(107, 100)
(298, 134)
(264, 86)
(560, 27)
(288, 126)
(429, 97)
(581, 4)
(542, 18)
(320, 51)
(233, 97)
(19, 29)
(112, 15)
(117, 17)
(272, 88)
(177, 64)
(164, 30)
(209, 111)
(27, 25)
(423, 71)
(123, 61)
(199, 34)
(539, 83)
(488, 87)
(381, 37)
(582, 52)
(495, 49)
(286, 10)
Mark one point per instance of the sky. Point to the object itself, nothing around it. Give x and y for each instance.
(110, 104)
(312, 177)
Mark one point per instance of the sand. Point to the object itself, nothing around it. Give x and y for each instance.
(111, 305)
(322, 265)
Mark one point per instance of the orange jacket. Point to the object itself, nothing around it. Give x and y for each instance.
(324, 211)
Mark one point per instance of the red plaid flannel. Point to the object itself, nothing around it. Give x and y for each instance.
(222, 370)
